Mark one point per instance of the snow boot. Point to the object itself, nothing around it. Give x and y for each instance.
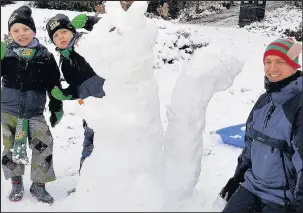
(38, 190)
(17, 189)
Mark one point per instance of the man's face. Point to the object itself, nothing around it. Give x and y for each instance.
(22, 34)
(276, 69)
(62, 37)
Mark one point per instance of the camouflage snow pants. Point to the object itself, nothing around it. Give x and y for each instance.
(40, 142)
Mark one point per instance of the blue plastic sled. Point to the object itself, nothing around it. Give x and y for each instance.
(233, 135)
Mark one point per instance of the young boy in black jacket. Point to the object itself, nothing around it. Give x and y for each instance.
(28, 72)
(83, 81)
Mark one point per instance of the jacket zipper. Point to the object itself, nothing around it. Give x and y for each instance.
(286, 187)
(269, 112)
(23, 94)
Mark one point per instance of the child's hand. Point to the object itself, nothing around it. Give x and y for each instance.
(3, 49)
(79, 21)
(58, 94)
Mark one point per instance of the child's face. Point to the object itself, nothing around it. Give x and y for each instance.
(276, 69)
(22, 34)
(62, 37)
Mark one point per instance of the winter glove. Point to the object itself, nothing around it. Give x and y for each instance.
(3, 49)
(230, 188)
(58, 94)
(66, 52)
(85, 22)
(79, 21)
(298, 206)
(56, 117)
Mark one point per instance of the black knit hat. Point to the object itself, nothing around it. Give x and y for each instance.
(22, 15)
(60, 21)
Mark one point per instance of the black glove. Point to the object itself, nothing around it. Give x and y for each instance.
(230, 188)
(298, 207)
(56, 117)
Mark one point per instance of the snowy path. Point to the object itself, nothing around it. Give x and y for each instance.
(230, 17)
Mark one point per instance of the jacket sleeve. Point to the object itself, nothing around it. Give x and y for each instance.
(244, 160)
(71, 90)
(70, 74)
(3, 68)
(91, 21)
(52, 81)
(297, 158)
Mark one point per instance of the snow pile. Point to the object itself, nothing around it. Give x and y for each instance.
(175, 44)
(124, 169)
(275, 24)
(183, 144)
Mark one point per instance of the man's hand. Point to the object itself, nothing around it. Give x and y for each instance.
(229, 189)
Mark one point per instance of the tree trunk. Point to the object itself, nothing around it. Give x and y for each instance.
(197, 6)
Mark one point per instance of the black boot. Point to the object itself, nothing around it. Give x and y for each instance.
(17, 189)
(38, 190)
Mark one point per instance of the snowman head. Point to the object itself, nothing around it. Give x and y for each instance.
(121, 43)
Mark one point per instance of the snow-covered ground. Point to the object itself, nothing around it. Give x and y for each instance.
(273, 24)
(225, 108)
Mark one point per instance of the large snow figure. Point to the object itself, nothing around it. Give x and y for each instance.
(122, 42)
(209, 71)
(123, 171)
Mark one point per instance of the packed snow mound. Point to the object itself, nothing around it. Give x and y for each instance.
(127, 123)
(210, 70)
(119, 50)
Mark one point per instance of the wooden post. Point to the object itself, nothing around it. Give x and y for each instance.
(197, 6)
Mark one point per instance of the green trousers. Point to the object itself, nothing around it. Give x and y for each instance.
(40, 142)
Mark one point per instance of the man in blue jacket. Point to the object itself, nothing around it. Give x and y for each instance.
(268, 177)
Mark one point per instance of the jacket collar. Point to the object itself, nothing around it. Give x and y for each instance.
(282, 91)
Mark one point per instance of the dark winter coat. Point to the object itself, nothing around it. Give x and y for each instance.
(272, 157)
(83, 81)
(25, 83)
